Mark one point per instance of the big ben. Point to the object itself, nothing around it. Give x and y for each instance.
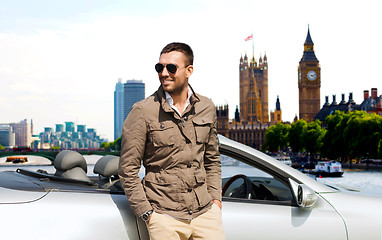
(309, 82)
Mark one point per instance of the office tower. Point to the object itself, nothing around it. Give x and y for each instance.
(7, 137)
(23, 134)
(69, 127)
(118, 109)
(81, 128)
(134, 91)
(59, 128)
(125, 95)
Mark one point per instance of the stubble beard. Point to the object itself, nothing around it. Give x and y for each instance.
(172, 88)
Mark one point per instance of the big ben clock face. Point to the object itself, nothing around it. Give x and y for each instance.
(312, 75)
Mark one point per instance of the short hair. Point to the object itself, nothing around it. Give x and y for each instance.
(180, 47)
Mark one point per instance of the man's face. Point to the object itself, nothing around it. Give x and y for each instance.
(175, 83)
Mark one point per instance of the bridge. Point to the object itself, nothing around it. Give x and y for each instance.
(51, 154)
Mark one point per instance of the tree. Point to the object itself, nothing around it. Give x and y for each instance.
(356, 134)
(311, 137)
(1, 147)
(116, 145)
(295, 133)
(105, 145)
(276, 137)
(363, 135)
(333, 145)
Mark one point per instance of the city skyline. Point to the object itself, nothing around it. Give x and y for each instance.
(60, 60)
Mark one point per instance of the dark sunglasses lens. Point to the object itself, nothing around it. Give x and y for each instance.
(171, 68)
(159, 67)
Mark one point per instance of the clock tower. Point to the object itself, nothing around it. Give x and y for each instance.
(309, 82)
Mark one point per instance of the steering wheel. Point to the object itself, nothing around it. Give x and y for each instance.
(247, 185)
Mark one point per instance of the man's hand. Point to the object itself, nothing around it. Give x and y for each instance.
(217, 202)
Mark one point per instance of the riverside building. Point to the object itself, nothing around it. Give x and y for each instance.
(7, 136)
(70, 138)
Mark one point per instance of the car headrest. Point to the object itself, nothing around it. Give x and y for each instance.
(67, 160)
(107, 166)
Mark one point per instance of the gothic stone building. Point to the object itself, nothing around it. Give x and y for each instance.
(248, 126)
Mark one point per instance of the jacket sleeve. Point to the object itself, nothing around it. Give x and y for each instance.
(212, 163)
(132, 152)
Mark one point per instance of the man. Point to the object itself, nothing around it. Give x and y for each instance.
(173, 133)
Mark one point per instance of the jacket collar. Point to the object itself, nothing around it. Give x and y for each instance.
(162, 96)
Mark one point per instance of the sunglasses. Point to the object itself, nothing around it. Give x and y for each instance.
(171, 68)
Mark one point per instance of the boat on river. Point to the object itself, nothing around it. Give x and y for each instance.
(328, 169)
(325, 169)
(17, 159)
(284, 159)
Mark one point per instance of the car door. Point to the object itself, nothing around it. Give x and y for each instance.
(268, 209)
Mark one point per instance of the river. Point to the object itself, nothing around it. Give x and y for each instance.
(366, 181)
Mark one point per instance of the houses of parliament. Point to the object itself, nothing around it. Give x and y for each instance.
(252, 120)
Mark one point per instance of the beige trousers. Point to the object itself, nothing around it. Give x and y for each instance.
(207, 226)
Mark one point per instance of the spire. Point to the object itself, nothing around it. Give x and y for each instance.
(253, 61)
(237, 114)
(308, 40)
(278, 108)
(309, 55)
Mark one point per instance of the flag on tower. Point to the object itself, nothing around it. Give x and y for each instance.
(249, 37)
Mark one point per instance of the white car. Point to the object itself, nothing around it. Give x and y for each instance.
(262, 199)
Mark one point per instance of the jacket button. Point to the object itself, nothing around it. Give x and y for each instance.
(190, 212)
(185, 118)
(189, 189)
(162, 126)
(189, 165)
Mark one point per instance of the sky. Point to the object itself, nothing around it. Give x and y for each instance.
(60, 60)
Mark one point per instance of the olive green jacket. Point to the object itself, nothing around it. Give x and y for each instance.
(180, 154)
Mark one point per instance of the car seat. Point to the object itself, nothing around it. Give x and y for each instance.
(107, 169)
(71, 164)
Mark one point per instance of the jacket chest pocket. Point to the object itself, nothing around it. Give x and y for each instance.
(162, 134)
(202, 129)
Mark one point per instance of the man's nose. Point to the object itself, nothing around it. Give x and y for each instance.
(165, 72)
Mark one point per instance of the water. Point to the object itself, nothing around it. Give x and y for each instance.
(366, 181)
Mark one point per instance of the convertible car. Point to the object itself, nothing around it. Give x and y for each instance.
(262, 199)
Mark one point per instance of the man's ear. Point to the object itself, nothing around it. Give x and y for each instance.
(189, 71)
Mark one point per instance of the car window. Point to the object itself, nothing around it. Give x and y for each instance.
(243, 181)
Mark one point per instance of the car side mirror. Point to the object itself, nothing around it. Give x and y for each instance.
(304, 195)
